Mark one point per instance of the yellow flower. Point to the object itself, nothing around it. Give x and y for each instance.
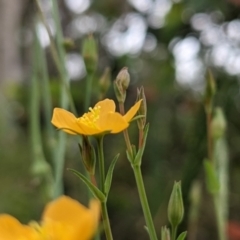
(99, 120)
(63, 219)
(12, 229)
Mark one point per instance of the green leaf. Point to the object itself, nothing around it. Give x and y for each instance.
(108, 180)
(182, 236)
(211, 177)
(137, 117)
(138, 158)
(95, 191)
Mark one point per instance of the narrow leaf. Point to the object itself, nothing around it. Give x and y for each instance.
(137, 117)
(95, 191)
(182, 236)
(108, 180)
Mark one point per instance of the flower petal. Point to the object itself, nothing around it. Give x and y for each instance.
(132, 111)
(107, 105)
(12, 229)
(71, 219)
(113, 122)
(66, 121)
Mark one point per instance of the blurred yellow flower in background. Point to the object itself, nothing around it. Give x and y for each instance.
(62, 219)
(99, 120)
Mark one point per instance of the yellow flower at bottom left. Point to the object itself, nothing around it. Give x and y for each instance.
(62, 219)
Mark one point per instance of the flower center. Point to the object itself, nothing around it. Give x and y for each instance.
(90, 118)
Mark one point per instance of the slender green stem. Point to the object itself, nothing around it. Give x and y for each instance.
(220, 218)
(47, 100)
(144, 202)
(89, 81)
(209, 135)
(65, 96)
(221, 225)
(101, 163)
(174, 232)
(106, 222)
(58, 52)
(58, 55)
(40, 166)
(140, 183)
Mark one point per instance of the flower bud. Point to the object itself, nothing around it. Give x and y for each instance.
(88, 155)
(90, 53)
(218, 124)
(121, 84)
(104, 83)
(143, 108)
(68, 44)
(40, 168)
(165, 233)
(175, 206)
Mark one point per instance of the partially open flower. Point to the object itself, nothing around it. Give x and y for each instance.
(63, 219)
(101, 119)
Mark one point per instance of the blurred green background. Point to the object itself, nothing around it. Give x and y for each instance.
(168, 47)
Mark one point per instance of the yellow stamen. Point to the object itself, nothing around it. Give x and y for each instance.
(91, 117)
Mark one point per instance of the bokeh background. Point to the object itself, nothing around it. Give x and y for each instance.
(168, 47)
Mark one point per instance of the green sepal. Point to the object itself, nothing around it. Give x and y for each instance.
(95, 191)
(211, 177)
(146, 229)
(165, 233)
(129, 156)
(108, 180)
(182, 236)
(138, 158)
(134, 151)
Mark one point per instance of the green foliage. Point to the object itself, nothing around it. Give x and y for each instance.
(95, 191)
(108, 180)
(211, 177)
(182, 236)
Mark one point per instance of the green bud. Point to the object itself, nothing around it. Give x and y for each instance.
(68, 44)
(143, 108)
(88, 155)
(121, 84)
(210, 91)
(175, 206)
(105, 82)
(165, 233)
(40, 168)
(195, 198)
(123, 78)
(218, 124)
(90, 53)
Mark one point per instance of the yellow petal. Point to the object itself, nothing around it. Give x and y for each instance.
(71, 220)
(65, 120)
(107, 105)
(132, 111)
(12, 229)
(95, 207)
(113, 122)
